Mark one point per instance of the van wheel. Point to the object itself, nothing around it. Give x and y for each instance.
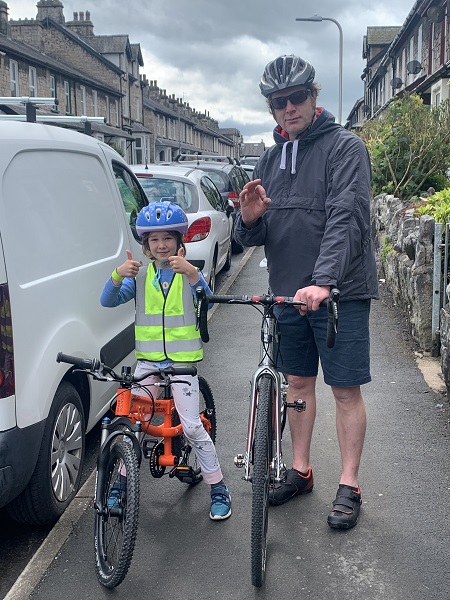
(57, 474)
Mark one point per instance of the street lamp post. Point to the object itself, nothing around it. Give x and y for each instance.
(341, 51)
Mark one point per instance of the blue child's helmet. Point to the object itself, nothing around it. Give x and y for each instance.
(161, 216)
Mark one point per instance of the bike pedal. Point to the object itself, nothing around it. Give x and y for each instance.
(147, 447)
(239, 461)
(188, 475)
(297, 405)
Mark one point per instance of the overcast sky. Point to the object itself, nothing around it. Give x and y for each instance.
(212, 53)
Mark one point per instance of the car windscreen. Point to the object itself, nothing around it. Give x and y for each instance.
(159, 189)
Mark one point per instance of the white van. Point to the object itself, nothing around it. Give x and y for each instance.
(66, 201)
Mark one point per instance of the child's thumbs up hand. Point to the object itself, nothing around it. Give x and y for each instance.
(130, 268)
(180, 265)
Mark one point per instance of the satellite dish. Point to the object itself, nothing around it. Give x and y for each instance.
(414, 67)
(365, 108)
(436, 13)
(396, 83)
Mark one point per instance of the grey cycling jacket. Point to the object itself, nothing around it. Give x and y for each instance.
(317, 227)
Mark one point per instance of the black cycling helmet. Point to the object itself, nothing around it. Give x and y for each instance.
(285, 72)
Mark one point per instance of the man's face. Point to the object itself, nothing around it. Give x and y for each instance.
(299, 111)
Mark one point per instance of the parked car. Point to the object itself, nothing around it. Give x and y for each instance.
(208, 239)
(248, 169)
(249, 160)
(63, 230)
(228, 176)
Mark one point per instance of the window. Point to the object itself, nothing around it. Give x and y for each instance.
(211, 193)
(67, 97)
(107, 110)
(419, 44)
(83, 100)
(160, 189)
(117, 113)
(132, 197)
(53, 90)
(138, 150)
(138, 110)
(94, 103)
(14, 77)
(32, 79)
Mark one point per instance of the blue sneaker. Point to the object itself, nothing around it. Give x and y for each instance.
(220, 503)
(118, 489)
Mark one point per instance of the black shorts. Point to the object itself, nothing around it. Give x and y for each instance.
(303, 343)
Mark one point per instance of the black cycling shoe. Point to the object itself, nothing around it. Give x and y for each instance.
(346, 508)
(292, 484)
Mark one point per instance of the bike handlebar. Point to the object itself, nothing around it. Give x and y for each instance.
(95, 367)
(267, 300)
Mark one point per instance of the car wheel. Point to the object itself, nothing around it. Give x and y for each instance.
(236, 247)
(227, 265)
(56, 477)
(212, 276)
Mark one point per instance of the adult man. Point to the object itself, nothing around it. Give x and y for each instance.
(310, 208)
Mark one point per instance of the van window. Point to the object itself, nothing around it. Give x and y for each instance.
(56, 205)
(133, 197)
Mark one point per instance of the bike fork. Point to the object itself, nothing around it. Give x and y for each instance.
(245, 460)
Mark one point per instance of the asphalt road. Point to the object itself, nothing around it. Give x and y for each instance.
(398, 551)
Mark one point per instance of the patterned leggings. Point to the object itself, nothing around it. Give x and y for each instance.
(186, 399)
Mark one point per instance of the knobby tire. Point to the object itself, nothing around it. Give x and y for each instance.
(116, 529)
(262, 449)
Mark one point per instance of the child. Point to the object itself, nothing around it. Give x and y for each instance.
(169, 282)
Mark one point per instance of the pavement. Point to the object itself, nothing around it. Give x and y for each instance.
(399, 549)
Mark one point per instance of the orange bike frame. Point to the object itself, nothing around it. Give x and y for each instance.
(143, 408)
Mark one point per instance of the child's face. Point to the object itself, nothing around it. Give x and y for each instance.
(162, 244)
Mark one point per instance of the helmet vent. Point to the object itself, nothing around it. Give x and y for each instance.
(158, 213)
(169, 214)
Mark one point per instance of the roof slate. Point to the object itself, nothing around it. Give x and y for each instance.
(381, 35)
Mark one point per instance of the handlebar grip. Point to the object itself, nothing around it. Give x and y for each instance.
(332, 323)
(181, 370)
(80, 363)
(202, 317)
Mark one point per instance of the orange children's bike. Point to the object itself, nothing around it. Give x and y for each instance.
(143, 426)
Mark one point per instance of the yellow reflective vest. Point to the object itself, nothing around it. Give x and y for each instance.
(165, 325)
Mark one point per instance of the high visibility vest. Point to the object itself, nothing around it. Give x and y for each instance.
(165, 325)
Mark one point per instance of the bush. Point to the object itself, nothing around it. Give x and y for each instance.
(409, 147)
(437, 206)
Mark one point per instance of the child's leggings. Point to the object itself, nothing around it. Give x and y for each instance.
(186, 399)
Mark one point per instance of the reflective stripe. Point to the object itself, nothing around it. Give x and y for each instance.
(165, 324)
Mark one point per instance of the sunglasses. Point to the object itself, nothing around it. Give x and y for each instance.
(295, 98)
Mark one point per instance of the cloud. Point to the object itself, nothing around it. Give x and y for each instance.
(212, 53)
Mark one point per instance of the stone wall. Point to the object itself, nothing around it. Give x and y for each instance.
(405, 253)
(405, 248)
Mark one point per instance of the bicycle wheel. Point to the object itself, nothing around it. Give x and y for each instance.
(189, 471)
(262, 451)
(116, 526)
